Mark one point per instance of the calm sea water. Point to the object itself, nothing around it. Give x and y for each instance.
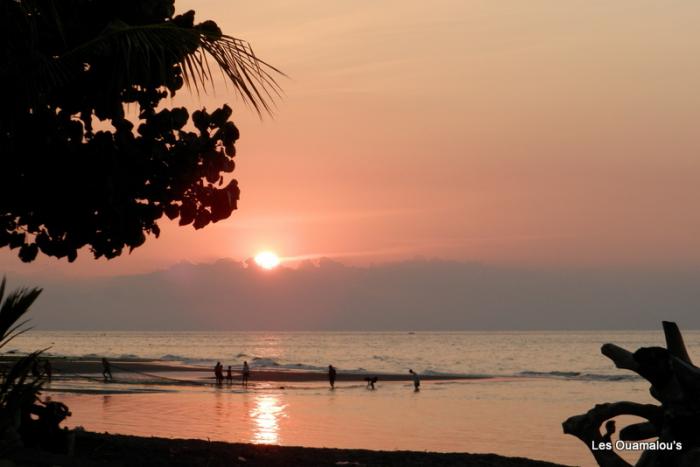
(537, 379)
(481, 353)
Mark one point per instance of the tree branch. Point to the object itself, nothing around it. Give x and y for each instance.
(622, 358)
(674, 341)
(586, 427)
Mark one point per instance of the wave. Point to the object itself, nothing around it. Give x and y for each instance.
(391, 366)
(263, 362)
(260, 362)
(301, 366)
(173, 358)
(576, 375)
(128, 356)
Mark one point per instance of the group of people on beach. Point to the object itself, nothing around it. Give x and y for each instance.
(228, 378)
(219, 374)
(371, 380)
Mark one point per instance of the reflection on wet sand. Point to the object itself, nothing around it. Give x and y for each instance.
(478, 416)
(266, 415)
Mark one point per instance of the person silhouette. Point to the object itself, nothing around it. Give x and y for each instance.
(219, 373)
(106, 370)
(371, 382)
(229, 375)
(331, 376)
(416, 380)
(245, 373)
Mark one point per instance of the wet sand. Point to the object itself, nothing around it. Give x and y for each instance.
(290, 407)
(92, 449)
(69, 367)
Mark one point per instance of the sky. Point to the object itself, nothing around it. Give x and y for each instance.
(540, 134)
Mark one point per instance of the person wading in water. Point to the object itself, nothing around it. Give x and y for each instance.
(106, 370)
(331, 376)
(246, 373)
(416, 380)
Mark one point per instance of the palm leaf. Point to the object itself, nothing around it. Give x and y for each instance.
(18, 385)
(12, 308)
(152, 48)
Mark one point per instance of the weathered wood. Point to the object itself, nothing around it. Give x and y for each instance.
(675, 383)
(586, 427)
(688, 375)
(674, 341)
(622, 358)
(654, 365)
(639, 431)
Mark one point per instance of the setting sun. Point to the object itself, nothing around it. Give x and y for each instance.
(267, 260)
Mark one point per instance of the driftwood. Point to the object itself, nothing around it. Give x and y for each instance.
(671, 432)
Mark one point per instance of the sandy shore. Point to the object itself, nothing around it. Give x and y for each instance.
(92, 449)
(68, 367)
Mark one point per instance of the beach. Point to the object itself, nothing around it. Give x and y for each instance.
(189, 374)
(480, 393)
(142, 384)
(93, 449)
(349, 233)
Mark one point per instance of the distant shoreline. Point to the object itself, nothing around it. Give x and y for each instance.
(94, 449)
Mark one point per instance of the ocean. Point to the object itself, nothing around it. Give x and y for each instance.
(522, 385)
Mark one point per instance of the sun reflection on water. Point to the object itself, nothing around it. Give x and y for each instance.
(266, 414)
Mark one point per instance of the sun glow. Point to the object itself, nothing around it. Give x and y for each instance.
(267, 414)
(267, 260)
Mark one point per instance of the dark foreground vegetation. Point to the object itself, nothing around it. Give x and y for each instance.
(92, 155)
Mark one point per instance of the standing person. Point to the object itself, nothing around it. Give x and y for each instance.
(229, 375)
(246, 373)
(416, 380)
(219, 372)
(48, 371)
(106, 370)
(331, 376)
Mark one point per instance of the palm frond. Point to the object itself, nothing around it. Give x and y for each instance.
(15, 332)
(18, 385)
(153, 48)
(12, 308)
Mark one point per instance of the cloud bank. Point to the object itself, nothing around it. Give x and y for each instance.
(327, 295)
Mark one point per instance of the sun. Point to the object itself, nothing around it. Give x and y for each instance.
(267, 259)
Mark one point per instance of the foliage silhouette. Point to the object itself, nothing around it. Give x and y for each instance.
(75, 171)
(24, 419)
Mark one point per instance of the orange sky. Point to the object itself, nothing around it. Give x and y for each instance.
(530, 133)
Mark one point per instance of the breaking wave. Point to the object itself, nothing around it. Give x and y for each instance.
(395, 368)
(575, 375)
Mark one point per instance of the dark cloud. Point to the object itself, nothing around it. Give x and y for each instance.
(327, 295)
